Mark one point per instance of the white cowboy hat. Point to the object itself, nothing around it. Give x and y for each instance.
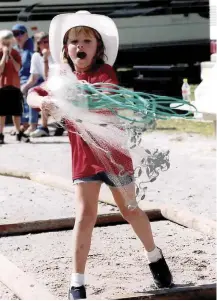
(105, 26)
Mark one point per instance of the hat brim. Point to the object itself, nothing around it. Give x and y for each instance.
(105, 26)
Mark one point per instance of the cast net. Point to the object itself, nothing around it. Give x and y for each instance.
(111, 121)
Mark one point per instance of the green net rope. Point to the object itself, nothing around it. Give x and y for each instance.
(146, 106)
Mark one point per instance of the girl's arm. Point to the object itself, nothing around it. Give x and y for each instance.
(46, 68)
(30, 83)
(46, 54)
(3, 61)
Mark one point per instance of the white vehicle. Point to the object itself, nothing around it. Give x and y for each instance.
(142, 24)
(213, 26)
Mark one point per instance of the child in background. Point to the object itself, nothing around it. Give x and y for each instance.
(40, 63)
(25, 46)
(89, 45)
(11, 99)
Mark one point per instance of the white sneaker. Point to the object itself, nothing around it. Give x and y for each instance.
(39, 133)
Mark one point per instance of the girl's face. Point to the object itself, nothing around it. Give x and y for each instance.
(44, 44)
(81, 48)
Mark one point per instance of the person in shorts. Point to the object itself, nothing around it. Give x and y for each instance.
(88, 44)
(11, 98)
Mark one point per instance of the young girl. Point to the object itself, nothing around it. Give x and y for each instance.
(89, 45)
(11, 99)
(41, 60)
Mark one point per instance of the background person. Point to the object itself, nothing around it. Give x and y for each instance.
(25, 46)
(11, 100)
(40, 63)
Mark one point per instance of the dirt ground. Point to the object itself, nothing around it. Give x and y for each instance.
(190, 184)
(117, 264)
(24, 200)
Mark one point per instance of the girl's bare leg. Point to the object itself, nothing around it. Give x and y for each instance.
(44, 119)
(2, 123)
(136, 217)
(17, 121)
(87, 195)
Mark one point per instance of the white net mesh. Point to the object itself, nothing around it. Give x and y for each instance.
(116, 143)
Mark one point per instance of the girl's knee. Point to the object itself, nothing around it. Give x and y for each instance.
(130, 214)
(86, 217)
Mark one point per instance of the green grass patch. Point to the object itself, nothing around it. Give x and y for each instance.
(186, 126)
(193, 87)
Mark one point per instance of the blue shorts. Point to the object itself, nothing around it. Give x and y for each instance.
(108, 179)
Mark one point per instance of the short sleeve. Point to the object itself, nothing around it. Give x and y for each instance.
(108, 75)
(34, 67)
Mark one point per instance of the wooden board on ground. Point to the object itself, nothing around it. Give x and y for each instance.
(116, 264)
(67, 223)
(22, 284)
(201, 292)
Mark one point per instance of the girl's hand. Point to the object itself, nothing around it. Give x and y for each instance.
(5, 50)
(45, 53)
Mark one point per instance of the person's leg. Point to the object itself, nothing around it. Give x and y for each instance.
(136, 217)
(33, 121)
(44, 119)
(86, 203)
(25, 116)
(141, 225)
(2, 125)
(42, 130)
(17, 114)
(16, 122)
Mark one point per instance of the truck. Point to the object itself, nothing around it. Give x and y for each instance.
(153, 33)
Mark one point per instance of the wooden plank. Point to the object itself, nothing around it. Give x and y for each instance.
(201, 292)
(189, 220)
(20, 283)
(67, 223)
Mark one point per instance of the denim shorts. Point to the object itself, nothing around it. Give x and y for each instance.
(108, 179)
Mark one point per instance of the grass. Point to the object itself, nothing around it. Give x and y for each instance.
(193, 87)
(186, 126)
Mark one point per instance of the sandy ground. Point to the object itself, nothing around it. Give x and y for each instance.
(190, 183)
(116, 265)
(24, 200)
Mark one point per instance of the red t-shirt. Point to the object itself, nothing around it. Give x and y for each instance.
(84, 162)
(10, 77)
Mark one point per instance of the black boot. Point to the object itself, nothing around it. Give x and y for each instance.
(161, 273)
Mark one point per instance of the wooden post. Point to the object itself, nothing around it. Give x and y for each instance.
(189, 220)
(23, 285)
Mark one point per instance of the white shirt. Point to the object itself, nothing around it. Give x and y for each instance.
(37, 64)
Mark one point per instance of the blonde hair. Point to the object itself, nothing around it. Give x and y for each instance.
(87, 31)
(38, 37)
(6, 34)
